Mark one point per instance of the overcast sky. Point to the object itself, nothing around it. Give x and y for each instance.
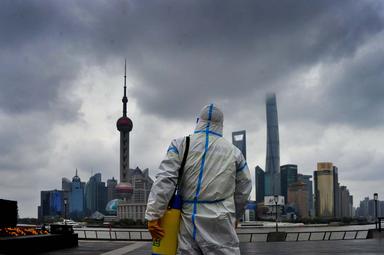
(61, 81)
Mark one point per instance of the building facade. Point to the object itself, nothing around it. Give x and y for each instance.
(250, 211)
(346, 202)
(362, 210)
(66, 188)
(324, 190)
(76, 197)
(260, 184)
(95, 195)
(367, 209)
(135, 203)
(298, 198)
(133, 211)
(239, 139)
(288, 176)
(51, 204)
(336, 193)
(272, 166)
(111, 189)
(308, 182)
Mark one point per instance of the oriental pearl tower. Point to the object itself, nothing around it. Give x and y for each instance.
(124, 125)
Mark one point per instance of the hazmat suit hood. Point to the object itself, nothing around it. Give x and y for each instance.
(212, 118)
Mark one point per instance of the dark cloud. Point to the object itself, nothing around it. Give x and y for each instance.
(228, 51)
(25, 143)
(347, 92)
(36, 65)
(202, 51)
(359, 90)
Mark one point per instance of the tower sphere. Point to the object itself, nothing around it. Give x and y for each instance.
(112, 205)
(124, 187)
(124, 124)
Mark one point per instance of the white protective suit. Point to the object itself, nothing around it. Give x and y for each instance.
(215, 187)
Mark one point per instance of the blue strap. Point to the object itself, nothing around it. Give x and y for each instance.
(242, 167)
(203, 201)
(209, 132)
(173, 148)
(201, 171)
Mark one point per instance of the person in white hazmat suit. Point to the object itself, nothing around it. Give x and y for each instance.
(215, 187)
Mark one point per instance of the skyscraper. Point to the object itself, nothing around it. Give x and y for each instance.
(76, 197)
(65, 184)
(124, 125)
(297, 196)
(259, 183)
(363, 209)
(272, 166)
(239, 140)
(66, 188)
(51, 204)
(142, 185)
(111, 187)
(336, 193)
(307, 180)
(346, 202)
(324, 190)
(95, 194)
(288, 176)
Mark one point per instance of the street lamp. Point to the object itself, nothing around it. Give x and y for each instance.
(276, 199)
(375, 197)
(65, 210)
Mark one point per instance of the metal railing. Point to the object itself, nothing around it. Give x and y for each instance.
(308, 236)
(143, 235)
(121, 235)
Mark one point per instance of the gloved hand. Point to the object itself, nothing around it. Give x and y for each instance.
(236, 223)
(157, 232)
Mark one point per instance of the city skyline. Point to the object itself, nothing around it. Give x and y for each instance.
(61, 87)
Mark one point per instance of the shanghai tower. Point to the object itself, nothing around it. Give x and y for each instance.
(272, 165)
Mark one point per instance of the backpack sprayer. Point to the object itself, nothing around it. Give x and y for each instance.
(170, 221)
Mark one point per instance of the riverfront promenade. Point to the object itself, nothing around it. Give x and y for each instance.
(367, 246)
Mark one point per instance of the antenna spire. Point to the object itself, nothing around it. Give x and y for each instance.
(125, 99)
(125, 78)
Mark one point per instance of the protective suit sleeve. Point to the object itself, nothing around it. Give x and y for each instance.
(165, 183)
(243, 185)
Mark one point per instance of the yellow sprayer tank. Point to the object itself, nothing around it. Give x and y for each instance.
(170, 222)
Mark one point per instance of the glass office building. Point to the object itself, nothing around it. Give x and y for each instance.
(272, 166)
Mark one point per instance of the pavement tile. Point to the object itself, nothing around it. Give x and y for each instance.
(367, 246)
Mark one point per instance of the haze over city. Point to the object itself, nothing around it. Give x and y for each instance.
(61, 81)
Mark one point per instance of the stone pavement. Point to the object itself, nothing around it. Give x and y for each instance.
(368, 246)
(351, 247)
